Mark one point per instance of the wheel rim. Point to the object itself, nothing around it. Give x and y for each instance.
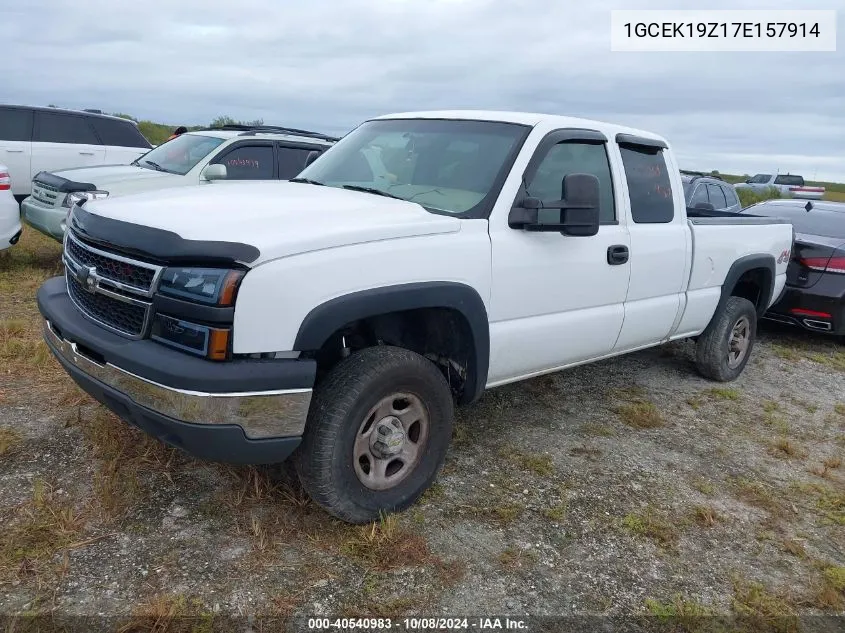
(739, 342)
(390, 441)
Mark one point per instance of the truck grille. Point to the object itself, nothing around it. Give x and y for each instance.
(108, 288)
(46, 194)
(112, 267)
(125, 317)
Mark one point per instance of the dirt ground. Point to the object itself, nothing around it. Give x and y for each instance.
(627, 487)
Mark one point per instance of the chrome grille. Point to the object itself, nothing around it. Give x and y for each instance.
(108, 288)
(118, 315)
(46, 194)
(131, 275)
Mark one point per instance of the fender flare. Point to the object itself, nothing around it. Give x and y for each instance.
(327, 318)
(738, 269)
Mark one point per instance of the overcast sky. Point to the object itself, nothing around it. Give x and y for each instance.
(328, 64)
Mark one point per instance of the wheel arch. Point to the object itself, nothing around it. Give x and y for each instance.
(328, 318)
(751, 277)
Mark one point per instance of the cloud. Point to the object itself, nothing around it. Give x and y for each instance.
(328, 64)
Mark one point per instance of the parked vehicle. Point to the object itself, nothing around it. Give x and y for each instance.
(789, 186)
(423, 258)
(44, 139)
(708, 191)
(10, 220)
(815, 279)
(233, 152)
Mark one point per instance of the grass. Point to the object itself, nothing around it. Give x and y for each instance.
(784, 447)
(833, 359)
(10, 440)
(556, 513)
(684, 614)
(383, 546)
(786, 352)
(704, 487)
(706, 516)
(171, 613)
(762, 610)
(640, 414)
(722, 393)
(36, 531)
(538, 463)
(654, 525)
(760, 496)
(517, 558)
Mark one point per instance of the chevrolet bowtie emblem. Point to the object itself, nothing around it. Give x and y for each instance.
(88, 278)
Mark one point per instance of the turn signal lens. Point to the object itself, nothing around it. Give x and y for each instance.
(209, 342)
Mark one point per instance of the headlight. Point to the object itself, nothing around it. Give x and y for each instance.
(214, 286)
(209, 342)
(81, 196)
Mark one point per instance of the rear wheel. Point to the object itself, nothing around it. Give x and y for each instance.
(723, 349)
(377, 434)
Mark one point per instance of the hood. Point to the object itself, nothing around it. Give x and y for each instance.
(278, 218)
(105, 176)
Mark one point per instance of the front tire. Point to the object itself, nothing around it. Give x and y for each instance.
(723, 349)
(377, 434)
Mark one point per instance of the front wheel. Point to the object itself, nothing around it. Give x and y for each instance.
(723, 349)
(377, 434)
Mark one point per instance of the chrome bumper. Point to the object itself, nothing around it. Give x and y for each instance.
(261, 414)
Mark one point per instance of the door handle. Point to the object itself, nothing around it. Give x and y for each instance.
(617, 254)
(86, 153)
(14, 151)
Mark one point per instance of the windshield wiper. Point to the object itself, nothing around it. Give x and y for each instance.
(307, 181)
(373, 190)
(156, 166)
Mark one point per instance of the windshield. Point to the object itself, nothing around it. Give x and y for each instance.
(446, 166)
(760, 179)
(179, 155)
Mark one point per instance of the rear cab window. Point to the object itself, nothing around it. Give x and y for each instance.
(649, 187)
(791, 181)
(118, 133)
(16, 124)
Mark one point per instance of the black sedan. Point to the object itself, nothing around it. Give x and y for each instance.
(814, 298)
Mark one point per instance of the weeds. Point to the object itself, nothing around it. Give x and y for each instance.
(640, 414)
(10, 440)
(706, 516)
(37, 530)
(652, 524)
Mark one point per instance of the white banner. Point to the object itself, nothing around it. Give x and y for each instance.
(723, 31)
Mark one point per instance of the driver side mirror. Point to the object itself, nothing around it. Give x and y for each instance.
(704, 206)
(578, 209)
(214, 172)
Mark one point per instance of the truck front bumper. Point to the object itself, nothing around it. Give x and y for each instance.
(48, 220)
(202, 407)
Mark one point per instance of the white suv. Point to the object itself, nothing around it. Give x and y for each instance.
(233, 152)
(43, 139)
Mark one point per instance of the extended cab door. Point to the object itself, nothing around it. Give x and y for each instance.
(557, 299)
(63, 141)
(660, 241)
(16, 147)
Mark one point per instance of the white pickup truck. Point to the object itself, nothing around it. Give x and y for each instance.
(423, 259)
(789, 186)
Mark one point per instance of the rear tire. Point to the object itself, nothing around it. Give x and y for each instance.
(723, 349)
(377, 434)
